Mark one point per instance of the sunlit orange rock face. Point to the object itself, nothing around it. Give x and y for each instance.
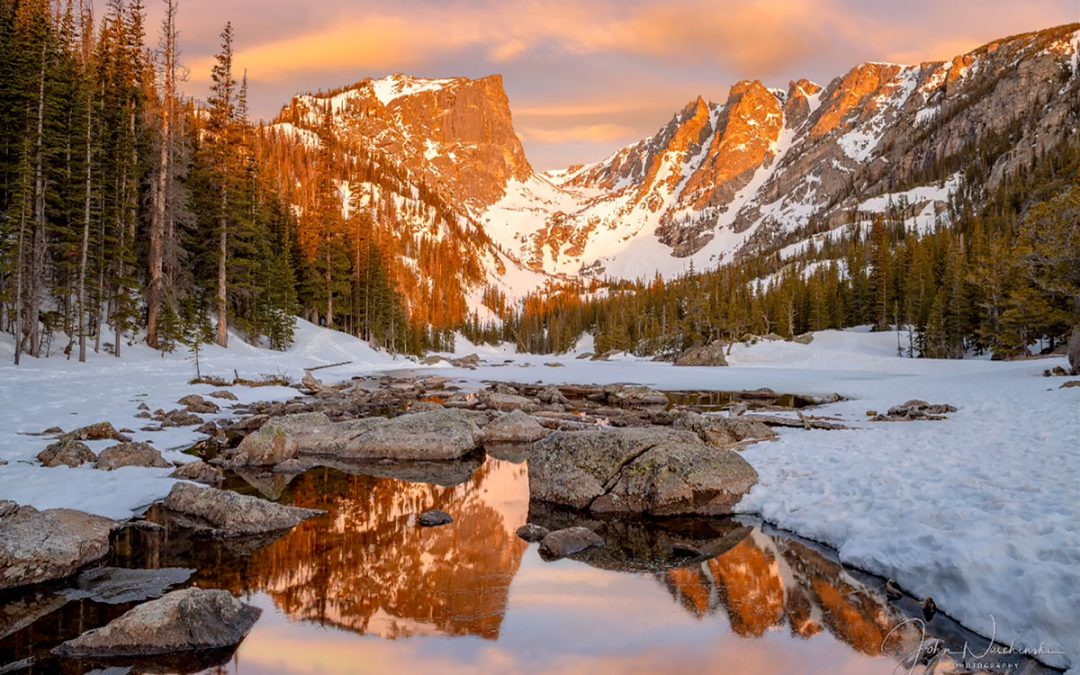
(764, 583)
(746, 133)
(457, 134)
(476, 150)
(797, 106)
(693, 130)
(852, 94)
(559, 234)
(368, 567)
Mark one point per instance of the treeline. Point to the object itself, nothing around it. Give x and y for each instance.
(1001, 273)
(129, 212)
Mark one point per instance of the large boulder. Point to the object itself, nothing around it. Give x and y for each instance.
(433, 435)
(654, 471)
(131, 454)
(38, 546)
(437, 434)
(66, 453)
(711, 354)
(279, 439)
(515, 427)
(227, 514)
(724, 432)
(185, 620)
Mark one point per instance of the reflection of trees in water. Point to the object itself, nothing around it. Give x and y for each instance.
(368, 567)
(763, 582)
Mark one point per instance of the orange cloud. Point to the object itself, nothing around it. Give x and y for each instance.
(580, 132)
(756, 35)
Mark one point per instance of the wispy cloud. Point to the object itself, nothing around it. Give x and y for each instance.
(594, 73)
(581, 132)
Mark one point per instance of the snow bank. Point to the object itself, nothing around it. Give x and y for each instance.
(54, 391)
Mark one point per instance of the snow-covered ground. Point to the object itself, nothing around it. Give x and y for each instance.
(54, 391)
(980, 511)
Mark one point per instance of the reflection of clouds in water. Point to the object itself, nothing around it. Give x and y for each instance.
(650, 643)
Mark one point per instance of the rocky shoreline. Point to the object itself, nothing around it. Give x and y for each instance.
(598, 452)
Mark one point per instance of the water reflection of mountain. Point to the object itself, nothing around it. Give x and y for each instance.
(369, 568)
(767, 582)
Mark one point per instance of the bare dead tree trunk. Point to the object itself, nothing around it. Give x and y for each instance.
(85, 242)
(37, 258)
(329, 292)
(222, 295)
(158, 214)
(19, 284)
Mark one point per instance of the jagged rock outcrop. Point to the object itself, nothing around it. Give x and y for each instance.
(769, 162)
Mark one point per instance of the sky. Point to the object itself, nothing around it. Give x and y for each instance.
(585, 77)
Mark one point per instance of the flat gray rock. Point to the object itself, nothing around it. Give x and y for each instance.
(228, 514)
(118, 585)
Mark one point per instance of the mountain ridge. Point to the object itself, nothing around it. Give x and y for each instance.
(718, 181)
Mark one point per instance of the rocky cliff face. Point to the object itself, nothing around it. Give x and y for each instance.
(729, 179)
(455, 133)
